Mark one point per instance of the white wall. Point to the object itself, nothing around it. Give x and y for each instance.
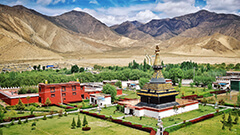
(163, 114)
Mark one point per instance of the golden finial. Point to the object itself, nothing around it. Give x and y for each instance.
(157, 60)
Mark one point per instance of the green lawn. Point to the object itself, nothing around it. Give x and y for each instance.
(50, 108)
(80, 103)
(62, 126)
(191, 91)
(110, 111)
(203, 110)
(211, 126)
(13, 113)
(129, 94)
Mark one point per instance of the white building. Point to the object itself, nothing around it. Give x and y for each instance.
(132, 108)
(100, 99)
(131, 84)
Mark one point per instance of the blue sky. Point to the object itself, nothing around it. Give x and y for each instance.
(113, 12)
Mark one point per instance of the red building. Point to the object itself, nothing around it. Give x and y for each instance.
(11, 97)
(57, 93)
(61, 92)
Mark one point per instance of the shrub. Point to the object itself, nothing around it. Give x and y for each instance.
(86, 128)
(12, 122)
(85, 121)
(19, 121)
(60, 113)
(79, 122)
(34, 124)
(44, 117)
(26, 121)
(73, 124)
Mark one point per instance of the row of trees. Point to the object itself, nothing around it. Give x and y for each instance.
(201, 73)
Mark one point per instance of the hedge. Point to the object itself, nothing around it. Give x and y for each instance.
(126, 123)
(17, 118)
(176, 127)
(202, 118)
(72, 109)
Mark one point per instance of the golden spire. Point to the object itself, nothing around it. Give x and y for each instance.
(157, 61)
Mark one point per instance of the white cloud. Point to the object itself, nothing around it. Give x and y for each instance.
(117, 15)
(57, 1)
(44, 2)
(145, 16)
(94, 2)
(223, 6)
(49, 11)
(173, 9)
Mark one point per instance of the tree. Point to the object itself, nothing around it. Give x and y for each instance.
(38, 68)
(109, 89)
(44, 117)
(81, 69)
(74, 69)
(238, 99)
(79, 122)
(143, 81)
(229, 122)
(209, 86)
(176, 74)
(28, 98)
(73, 124)
(204, 101)
(85, 121)
(35, 67)
(20, 106)
(118, 84)
(1, 114)
(43, 68)
(236, 118)
(223, 121)
(48, 102)
(32, 108)
(19, 121)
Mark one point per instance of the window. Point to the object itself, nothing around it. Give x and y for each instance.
(73, 87)
(64, 98)
(74, 93)
(82, 96)
(52, 89)
(40, 89)
(52, 95)
(63, 88)
(81, 87)
(63, 94)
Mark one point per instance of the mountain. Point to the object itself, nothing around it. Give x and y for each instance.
(130, 29)
(26, 35)
(199, 24)
(71, 32)
(214, 45)
(85, 24)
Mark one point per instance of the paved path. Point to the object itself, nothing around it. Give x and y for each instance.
(124, 116)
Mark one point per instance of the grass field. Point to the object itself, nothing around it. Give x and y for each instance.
(129, 94)
(225, 97)
(14, 113)
(211, 126)
(203, 110)
(110, 111)
(50, 108)
(62, 126)
(191, 91)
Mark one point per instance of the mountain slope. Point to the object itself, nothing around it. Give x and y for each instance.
(214, 45)
(85, 24)
(199, 24)
(130, 29)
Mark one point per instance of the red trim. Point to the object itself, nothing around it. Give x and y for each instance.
(156, 110)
